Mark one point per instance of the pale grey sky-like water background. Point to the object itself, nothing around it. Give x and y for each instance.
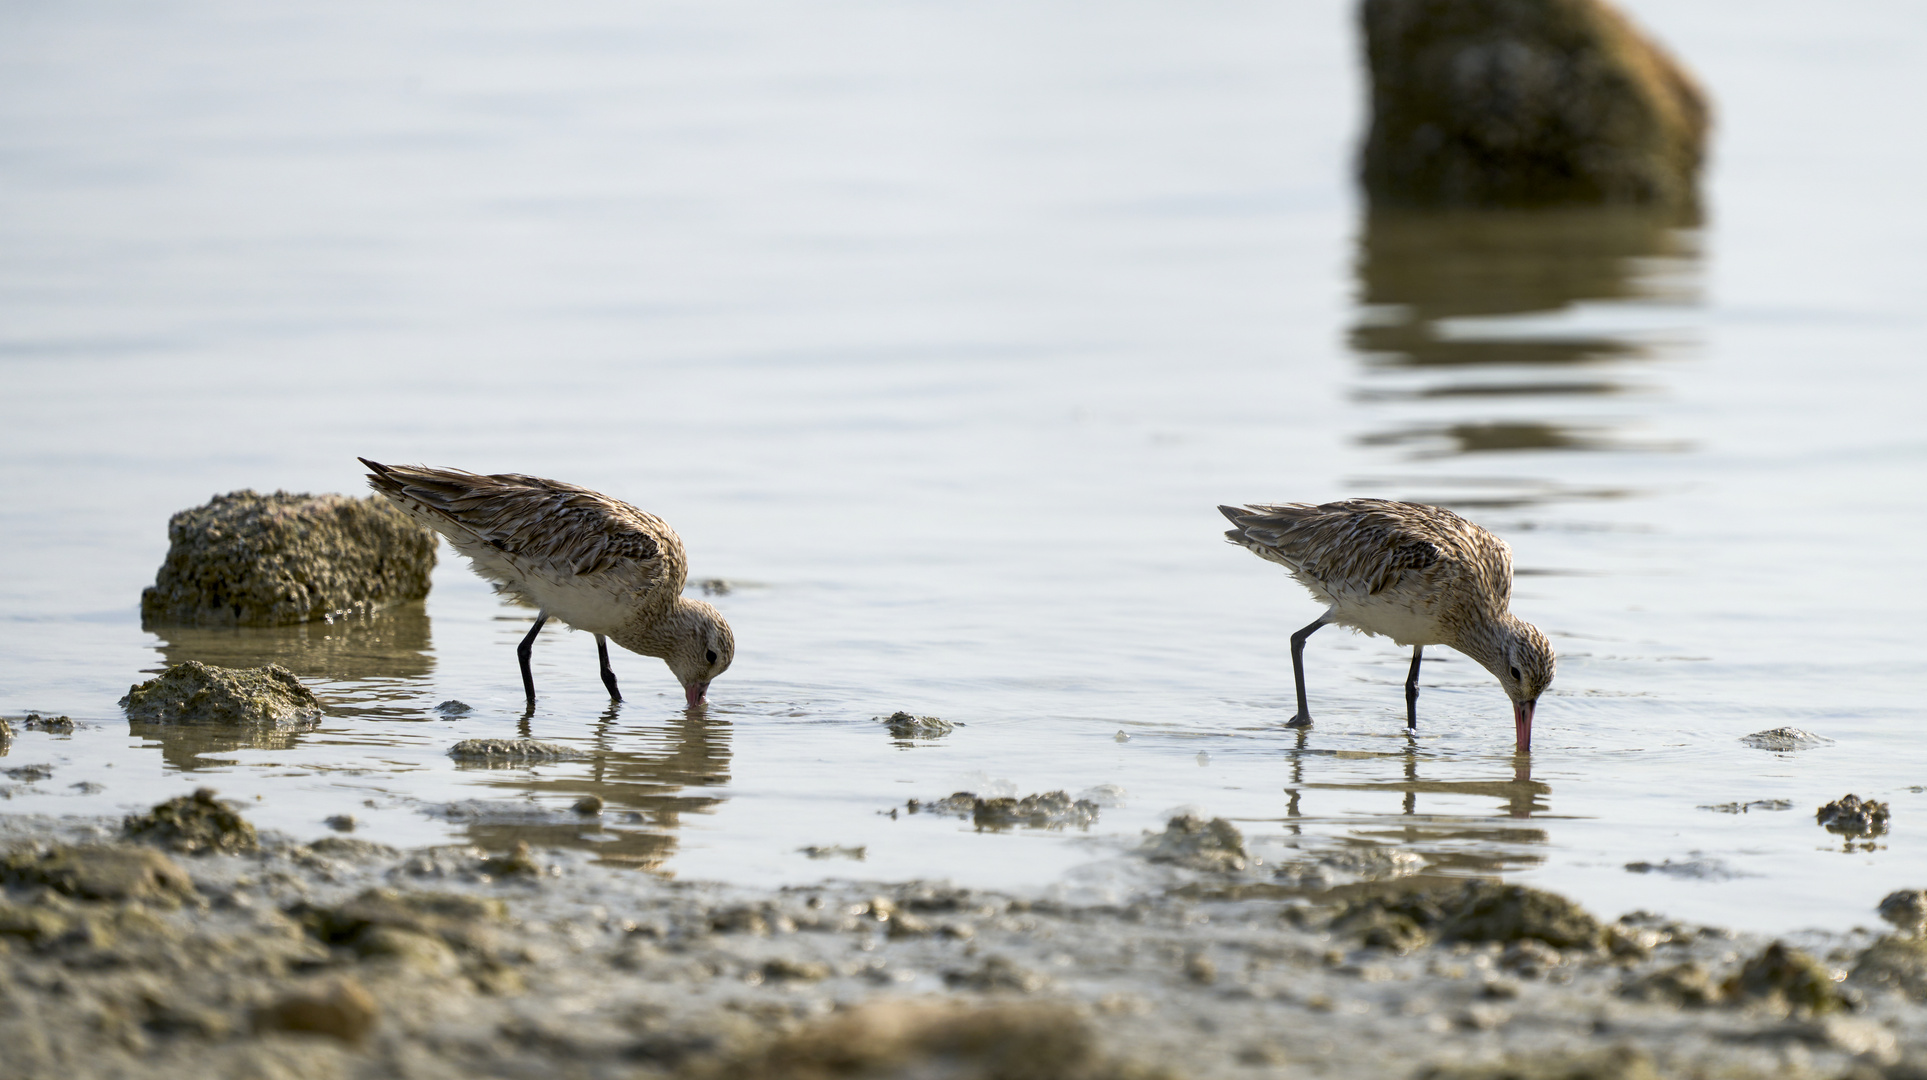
(941, 329)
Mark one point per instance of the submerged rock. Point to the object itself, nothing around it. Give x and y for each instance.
(1852, 816)
(269, 560)
(904, 726)
(511, 751)
(1785, 739)
(1197, 844)
(101, 872)
(54, 725)
(1050, 810)
(195, 693)
(1496, 103)
(1787, 976)
(452, 708)
(194, 824)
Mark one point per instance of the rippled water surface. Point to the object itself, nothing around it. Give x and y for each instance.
(938, 331)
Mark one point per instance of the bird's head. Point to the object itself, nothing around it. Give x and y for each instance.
(1524, 666)
(701, 648)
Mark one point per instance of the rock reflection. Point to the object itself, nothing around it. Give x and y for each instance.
(392, 643)
(1465, 842)
(190, 746)
(1459, 309)
(378, 661)
(643, 777)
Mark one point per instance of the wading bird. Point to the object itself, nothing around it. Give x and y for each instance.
(576, 555)
(1419, 575)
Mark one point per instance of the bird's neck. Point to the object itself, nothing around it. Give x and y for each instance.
(1485, 640)
(659, 632)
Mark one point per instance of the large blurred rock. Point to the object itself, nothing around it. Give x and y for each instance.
(266, 560)
(1496, 103)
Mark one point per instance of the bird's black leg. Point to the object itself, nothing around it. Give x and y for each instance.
(608, 676)
(1411, 688)
(522, 653)
(1303, 719)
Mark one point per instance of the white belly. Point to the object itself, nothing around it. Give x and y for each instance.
(1402, 618)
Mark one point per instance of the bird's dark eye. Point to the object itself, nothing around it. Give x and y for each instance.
(712, 659)
(1515, 675)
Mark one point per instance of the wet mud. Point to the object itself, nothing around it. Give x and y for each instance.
(346, 958)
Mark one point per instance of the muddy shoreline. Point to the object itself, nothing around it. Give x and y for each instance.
(346, 958)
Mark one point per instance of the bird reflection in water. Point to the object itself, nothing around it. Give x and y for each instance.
(1467, 841)
(646, 777)
(373, 664)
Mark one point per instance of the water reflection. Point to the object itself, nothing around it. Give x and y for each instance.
(377, 662)
(643, 775)
(1492, 842)
(1501, 312)
(392, 643)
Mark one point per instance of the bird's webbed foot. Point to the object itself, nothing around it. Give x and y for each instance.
(1301, 720)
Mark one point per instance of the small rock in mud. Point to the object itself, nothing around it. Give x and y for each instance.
(996, 973)
(1050, 810)
(28, 774)
(101, 872)
(928, 1038)
(511, 751)
(519, 862)
(451, 708)
(1894, 963)
(1688, 984)
(1785, 739)
(344, 1010)
(1620, 1063)
(55, 725)
(1197, 844)
(1328, 869)
(1788, 976)
(1745, 807)
(1906, 909)
(272, 560)
(348, 847)
(588, 805)
(374, 923)
(835, 851)
(341, 822)
(904, 726)
(195, 693)
(194, 824)
(1480, 911)
(1852, 816)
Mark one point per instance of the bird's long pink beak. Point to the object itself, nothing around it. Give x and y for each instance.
(1522, 725)
(694, 693)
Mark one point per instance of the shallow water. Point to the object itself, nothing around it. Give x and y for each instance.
(939, 331)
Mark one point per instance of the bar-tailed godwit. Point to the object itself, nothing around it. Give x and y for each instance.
(576, 555)
(1419, 575)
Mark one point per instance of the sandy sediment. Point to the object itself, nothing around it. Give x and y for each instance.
(345, 958)
(269, 560)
